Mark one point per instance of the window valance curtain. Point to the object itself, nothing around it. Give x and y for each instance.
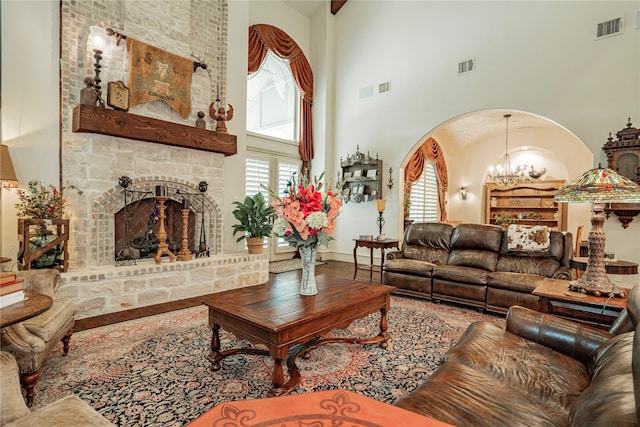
(429, 151)
(264, 38)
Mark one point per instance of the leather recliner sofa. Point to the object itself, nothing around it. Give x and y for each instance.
(541, 371)
(472, 264)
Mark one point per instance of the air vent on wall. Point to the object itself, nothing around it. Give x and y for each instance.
(466, 66)
(384, 87)
(609, 28)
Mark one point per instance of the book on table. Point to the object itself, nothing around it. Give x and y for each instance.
(12, 298)
(9, 288)
(7, 278)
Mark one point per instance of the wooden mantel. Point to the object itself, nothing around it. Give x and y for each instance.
(94, 119)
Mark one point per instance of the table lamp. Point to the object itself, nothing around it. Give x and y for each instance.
(8, 179)
(381, 204)
(598, 186)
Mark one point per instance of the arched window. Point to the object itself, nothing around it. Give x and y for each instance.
(423, 197)
(272, 100)
(426, 177)
(265, 38)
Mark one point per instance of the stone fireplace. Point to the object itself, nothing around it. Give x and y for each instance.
(93, 160)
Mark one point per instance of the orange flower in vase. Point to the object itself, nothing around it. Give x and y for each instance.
(306, 218)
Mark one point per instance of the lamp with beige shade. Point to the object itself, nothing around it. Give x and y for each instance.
(8, 179)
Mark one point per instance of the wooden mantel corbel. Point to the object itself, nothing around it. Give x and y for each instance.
(95, 119)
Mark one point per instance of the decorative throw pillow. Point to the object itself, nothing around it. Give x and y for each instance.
(528, 237)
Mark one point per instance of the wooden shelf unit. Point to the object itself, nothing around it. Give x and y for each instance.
(362, 176)
(531, 201)
(25, 233)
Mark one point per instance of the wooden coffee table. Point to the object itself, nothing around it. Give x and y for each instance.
(288, 324)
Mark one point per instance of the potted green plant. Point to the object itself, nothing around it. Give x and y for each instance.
(255, 219)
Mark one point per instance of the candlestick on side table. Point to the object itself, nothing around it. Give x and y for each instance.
(163, 246)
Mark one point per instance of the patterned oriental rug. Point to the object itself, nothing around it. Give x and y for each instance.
(153, 371)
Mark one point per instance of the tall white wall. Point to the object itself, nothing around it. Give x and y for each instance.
(30, 108)
(539, 57)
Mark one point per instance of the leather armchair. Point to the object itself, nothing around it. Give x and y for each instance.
(32, 340)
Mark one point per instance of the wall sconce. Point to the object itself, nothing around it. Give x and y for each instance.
(381, 204)
(463, 194)
(390, 182)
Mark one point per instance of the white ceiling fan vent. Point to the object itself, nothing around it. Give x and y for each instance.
(609, 28)
(466, 66)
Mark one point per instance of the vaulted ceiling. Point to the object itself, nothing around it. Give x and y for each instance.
(309, 7)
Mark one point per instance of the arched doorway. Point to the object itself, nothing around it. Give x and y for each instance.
(473, 141)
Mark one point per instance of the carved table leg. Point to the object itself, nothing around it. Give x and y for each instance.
(384, 325)
(277, 378)
(215, 346)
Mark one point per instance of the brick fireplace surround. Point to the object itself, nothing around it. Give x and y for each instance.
(93, 162)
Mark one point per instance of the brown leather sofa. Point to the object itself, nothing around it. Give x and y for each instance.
(472, 264)
(541, 371)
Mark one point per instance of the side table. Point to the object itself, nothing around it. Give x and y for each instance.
(557, 299)
(372, 244)
(611, 266)
(31, 306)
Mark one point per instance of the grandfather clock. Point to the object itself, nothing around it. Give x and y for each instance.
(623, 156)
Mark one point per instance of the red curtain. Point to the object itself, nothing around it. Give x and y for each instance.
(429, 151)
(264, 38)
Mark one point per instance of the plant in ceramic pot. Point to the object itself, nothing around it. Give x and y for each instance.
(255, 221)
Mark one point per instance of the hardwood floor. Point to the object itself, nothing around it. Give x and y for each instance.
(331, 268)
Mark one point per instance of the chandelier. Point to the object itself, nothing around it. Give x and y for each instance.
(503, 174)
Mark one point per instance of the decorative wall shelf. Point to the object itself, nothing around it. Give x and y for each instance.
(623, 156)
(362, 175)
(94, 119)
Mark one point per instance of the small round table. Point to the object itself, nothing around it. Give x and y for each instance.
(611, 266)
(32, 305)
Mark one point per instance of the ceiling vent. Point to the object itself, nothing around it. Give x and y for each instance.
(609, 28)
(466, 66)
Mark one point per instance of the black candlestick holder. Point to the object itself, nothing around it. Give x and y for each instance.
(380, 222)
(203, 248)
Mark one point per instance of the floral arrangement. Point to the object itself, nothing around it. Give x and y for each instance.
(506, 218)
(306, 215)
(41, 202)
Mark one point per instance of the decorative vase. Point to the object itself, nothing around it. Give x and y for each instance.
(308, 280)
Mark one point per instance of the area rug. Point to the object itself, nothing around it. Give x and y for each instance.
(153, 371)
(288, 265)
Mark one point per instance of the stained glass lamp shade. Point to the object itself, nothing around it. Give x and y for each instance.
(598, 186)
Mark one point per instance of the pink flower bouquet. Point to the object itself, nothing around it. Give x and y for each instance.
(306, 215)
